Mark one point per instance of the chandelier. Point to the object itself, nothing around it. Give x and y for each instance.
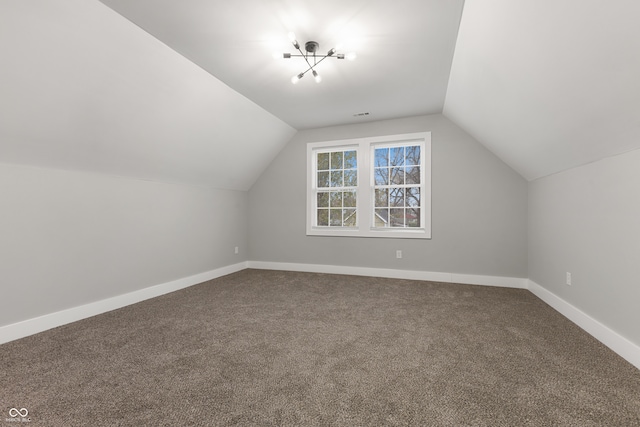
(312, 58)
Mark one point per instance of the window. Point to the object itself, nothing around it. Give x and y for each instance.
(370, 187)
(337, 184)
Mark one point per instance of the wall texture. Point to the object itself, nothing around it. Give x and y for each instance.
(479, 208)
(71, 238)
(586, 221)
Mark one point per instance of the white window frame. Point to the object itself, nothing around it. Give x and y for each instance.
(365, 190)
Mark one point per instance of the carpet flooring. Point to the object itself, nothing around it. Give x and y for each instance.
(272, 348)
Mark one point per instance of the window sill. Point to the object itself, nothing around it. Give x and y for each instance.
(384, 233)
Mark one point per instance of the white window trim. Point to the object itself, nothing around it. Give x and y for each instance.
(364, 215)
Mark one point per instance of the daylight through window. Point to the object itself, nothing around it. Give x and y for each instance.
(396, 174)
(370, 187)
(337, 181)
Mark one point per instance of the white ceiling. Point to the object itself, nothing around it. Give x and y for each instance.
(84, 89)
(172, 90)
(404, 48)
(548, 85)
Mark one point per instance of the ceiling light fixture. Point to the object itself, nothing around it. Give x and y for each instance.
(312, 58)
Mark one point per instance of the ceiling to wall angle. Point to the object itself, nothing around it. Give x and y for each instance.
(162, 90)
(404, 52)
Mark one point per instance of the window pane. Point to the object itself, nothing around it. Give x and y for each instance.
(392, 187)
(413, 175)
(336, 178)
(381, 218)
(349, 217)
(412, 155)
(403, 202)
(350, 160)
(397, 176)
(396, 156)
(323, 217)
(323, 200)
(336, 199)
(381, 176)
(413, 217)
(413, 197)
(323, 179)
(349, 200)
(323, 161)
(382, 197)
(396, 197)
(336, 160)
(335, 217)
(381, 157)
(397, 217)
(350, 178)
(336, 170)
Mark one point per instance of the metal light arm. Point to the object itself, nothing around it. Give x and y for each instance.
(311, 47)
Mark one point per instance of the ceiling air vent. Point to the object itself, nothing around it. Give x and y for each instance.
(361, 114)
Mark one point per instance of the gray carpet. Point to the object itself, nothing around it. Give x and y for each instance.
(270, 348)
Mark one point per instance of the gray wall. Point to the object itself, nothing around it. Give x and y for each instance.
(586, 221)
(479, 208)
(70, 238)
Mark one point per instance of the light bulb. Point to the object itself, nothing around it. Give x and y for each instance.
(292, 37)
(351, 56)
(317, 76)
(295, 79)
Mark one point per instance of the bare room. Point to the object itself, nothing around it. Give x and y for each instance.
(332, 213)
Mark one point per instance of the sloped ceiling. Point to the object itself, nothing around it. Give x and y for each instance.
(187, 91)
(404, 49)
(548, 85)
(84, 89)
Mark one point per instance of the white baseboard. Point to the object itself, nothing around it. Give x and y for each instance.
(48, 321)
(620, 345)
(616, 342)
(623, 347)
(469, 279)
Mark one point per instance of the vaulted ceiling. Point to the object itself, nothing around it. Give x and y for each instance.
(404, 52)
(179, 91)
(548, 85)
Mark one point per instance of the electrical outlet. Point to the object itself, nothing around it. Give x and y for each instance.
(398, 254)
(235, 250)
(568, 278)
